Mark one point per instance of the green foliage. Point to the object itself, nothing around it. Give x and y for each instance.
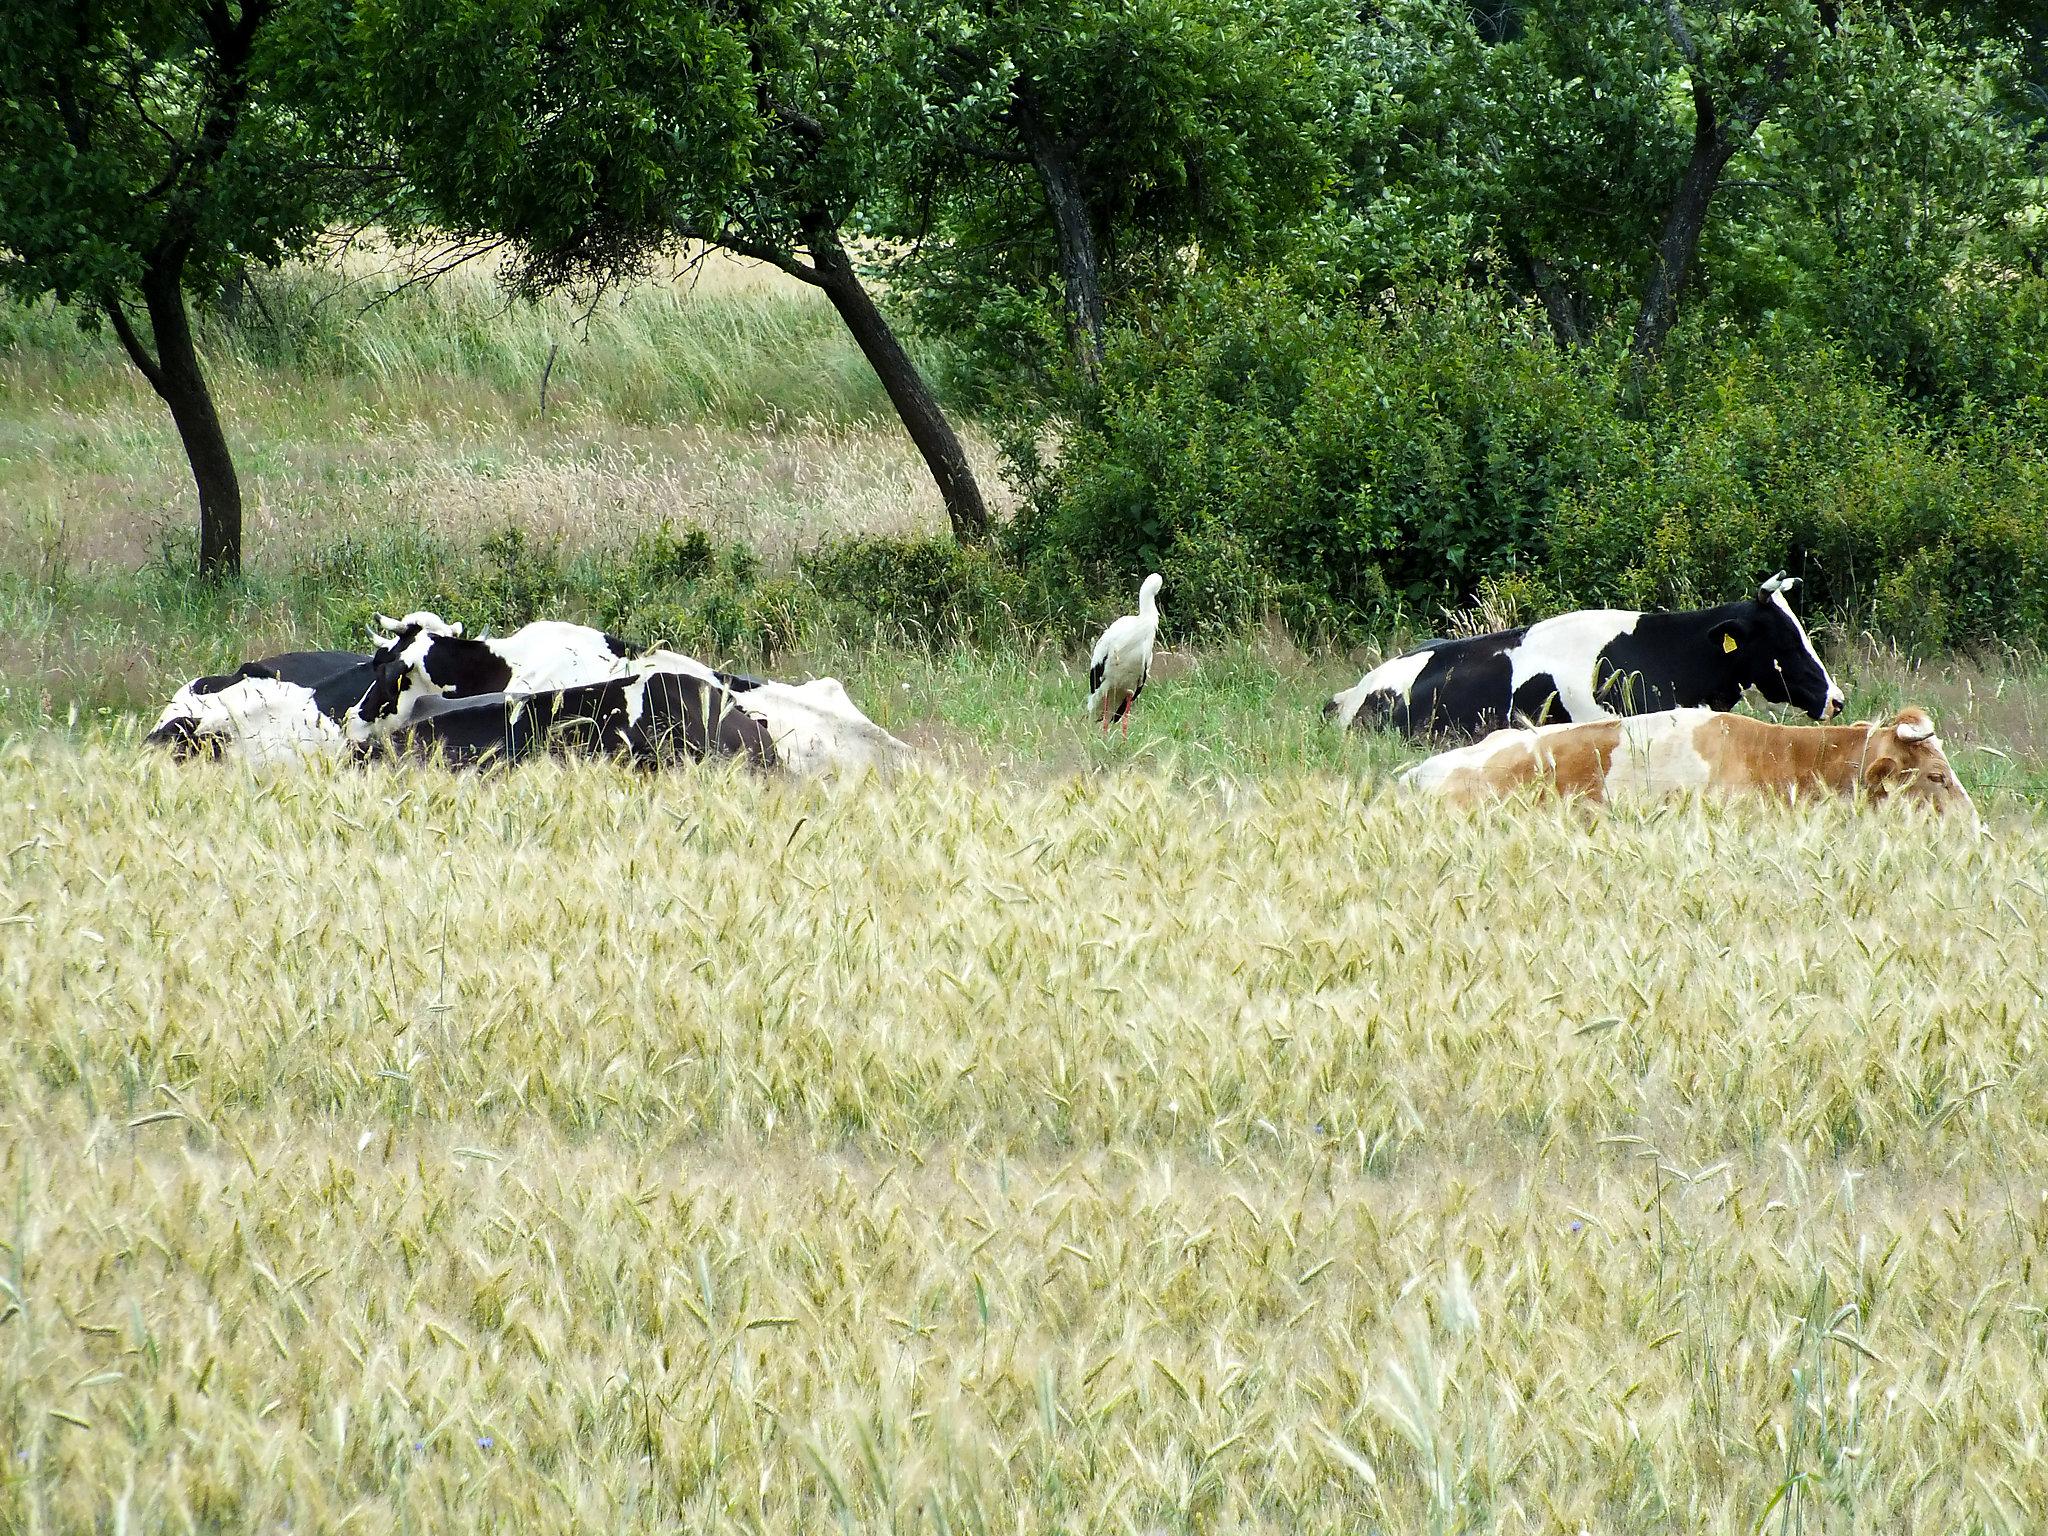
(1267, 453)
(1347, 471)
(586, 130)
(930, 592)
(1535, 149)
(1930, 538)
(1193, 130)
(132, 127)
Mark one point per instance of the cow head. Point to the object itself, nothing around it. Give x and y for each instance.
(1904, 762)
(416, 662)
(1773, 653)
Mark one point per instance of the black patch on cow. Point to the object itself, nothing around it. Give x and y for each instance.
(1463, 688)
(680, 718)
(625, 650)
(459, 667)
(1673, 661)
(462, 667)
(183, 740)
(336, 679)
(220, 682)
(1535, 703)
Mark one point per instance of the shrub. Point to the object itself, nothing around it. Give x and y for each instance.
(1343, 469)
(922, 591)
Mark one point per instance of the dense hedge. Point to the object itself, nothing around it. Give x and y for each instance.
(1348, 470)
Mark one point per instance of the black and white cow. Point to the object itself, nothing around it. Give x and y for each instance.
(816, 728)
(265, 711)
(279, 708)
(654, 719)
(417, 663)
(1596, 664)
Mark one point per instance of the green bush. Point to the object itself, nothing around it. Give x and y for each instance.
(1929, 538)
(1344, 470)
(922, 591)
(1333, 466)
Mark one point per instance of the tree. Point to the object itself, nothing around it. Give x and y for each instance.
(148, 152)
(1094, 146)
(1602, 157)
(598, 133)
(1739, 73)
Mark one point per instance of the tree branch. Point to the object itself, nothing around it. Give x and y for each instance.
(1681, 34)
(131, 343)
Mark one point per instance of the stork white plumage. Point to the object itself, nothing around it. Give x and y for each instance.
(1122, 660)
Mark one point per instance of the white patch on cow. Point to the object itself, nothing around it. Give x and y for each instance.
(258, 720)
(1835, 694)
(1433, 772)
(816, 728)
(426, 619)
(1396, 677)
(1658, 754)
(636, 698)
(673, 661)
(1566, 649)
(547, 656)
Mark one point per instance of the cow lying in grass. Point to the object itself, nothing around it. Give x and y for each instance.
(323, 703)
(813, 726)
(267, 711)
(1680, 750)
(1595, 664)
(280, 708)
(654, 719)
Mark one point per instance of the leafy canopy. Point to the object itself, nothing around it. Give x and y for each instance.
(140, 131)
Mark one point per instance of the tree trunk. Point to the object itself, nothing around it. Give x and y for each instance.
(174, 373)
(1080, 265)
(1683, 225)
(1560, 300)
(923, 418)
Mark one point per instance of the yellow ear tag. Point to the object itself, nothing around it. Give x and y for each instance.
(1727, 642)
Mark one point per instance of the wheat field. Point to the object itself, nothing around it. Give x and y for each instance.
(1109, 1151)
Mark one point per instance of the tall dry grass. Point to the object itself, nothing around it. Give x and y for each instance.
(718, 395)
(571, 1150)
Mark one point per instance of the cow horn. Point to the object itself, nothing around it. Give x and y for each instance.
(389, 625)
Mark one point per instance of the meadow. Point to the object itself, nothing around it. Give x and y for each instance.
(1180, 1134)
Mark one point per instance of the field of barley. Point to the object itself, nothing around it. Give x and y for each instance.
(1116, 1151)
(1187, 1134)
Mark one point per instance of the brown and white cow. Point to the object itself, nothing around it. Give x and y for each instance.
(1678, 750)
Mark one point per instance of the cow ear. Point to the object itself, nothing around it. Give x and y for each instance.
(1913, 725)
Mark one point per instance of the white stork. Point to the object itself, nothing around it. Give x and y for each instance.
(1122, 660)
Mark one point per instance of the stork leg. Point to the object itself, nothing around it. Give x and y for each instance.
(1127, 718)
